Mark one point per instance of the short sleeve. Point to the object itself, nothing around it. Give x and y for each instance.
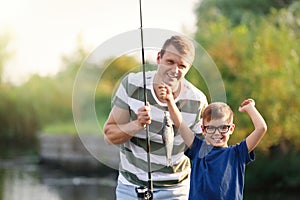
(193, 151)
(120, 98)
(245, 156)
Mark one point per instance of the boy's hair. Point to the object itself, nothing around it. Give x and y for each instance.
(217, 110)
(183, 45)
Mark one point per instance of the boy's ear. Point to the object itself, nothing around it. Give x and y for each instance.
(203, 132)
(232, 128)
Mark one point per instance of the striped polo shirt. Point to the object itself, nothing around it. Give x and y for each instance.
(133, 153)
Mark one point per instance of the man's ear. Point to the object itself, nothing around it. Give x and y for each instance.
(158, 57)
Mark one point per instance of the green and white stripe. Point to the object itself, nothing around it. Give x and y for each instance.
(133, 154)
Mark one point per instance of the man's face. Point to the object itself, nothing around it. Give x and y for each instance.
(172, 67)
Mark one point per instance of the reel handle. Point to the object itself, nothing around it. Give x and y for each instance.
(143, 193)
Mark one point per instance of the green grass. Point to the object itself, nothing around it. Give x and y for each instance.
(70, 128)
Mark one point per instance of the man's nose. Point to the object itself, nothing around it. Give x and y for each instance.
(175, 69)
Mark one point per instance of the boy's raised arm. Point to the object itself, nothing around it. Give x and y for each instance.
(185, 132)
(258, 121)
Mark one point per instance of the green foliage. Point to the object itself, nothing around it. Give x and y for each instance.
(239, 11)
(260, 59)
(4, 52)
(196, 79)
(114, 70)
(279, 172)
(18, 119)
(45, 96)
(41, 101)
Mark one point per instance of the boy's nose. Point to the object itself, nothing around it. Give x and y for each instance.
(217, 132)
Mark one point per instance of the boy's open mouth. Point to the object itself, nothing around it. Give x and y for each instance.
(218, 139)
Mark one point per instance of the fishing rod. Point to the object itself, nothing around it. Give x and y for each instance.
(144, 192)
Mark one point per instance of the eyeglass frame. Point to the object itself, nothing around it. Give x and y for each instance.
(217, 128)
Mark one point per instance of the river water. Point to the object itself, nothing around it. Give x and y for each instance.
(24, 179)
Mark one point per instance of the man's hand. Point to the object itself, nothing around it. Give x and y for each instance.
(143, 116)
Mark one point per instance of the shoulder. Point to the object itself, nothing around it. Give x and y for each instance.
(133, 77)
(194, 149)
(241, 150)
(192, 91)
(133, 82)
(137, 78)
(241, 145)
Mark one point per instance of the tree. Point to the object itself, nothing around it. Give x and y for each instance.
(258, 58)
(239, 11)
(5, 54)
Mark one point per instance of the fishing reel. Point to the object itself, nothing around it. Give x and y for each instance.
(143, 193)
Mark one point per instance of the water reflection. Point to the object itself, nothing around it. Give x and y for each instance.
(26, 180)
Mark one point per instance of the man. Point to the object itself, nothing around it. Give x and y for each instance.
(129, 116)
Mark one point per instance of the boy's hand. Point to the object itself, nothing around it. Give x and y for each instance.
(165, 92)
(246, 104)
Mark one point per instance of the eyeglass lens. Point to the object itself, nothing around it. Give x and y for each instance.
(221, 129)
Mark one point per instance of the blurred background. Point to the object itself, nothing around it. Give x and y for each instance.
(255, 45)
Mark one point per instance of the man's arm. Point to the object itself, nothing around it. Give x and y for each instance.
(259, 124)
(118, 128)
(185, 132)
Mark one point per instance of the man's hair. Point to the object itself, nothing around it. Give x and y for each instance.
(217, 110)
(183, 45)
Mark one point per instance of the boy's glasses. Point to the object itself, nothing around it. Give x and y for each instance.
(212, 129)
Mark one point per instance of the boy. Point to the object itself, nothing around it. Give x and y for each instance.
(217, 169)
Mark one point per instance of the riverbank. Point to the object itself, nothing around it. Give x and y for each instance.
(24, 178)
(68, 166)
(84, 153)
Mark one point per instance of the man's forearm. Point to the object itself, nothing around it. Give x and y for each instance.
(118, 134)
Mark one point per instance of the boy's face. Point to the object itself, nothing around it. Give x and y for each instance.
(217, 132)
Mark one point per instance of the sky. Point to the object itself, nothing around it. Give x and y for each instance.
(42, 31)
